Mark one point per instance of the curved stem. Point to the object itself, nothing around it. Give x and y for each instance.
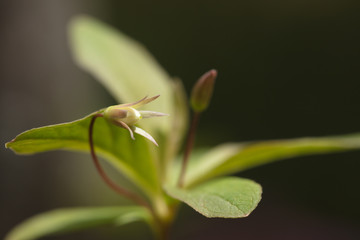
(122, 191)
(188, 147)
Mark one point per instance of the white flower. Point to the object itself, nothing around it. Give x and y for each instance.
(126, 116)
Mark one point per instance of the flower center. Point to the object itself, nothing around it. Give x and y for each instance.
(132, 116)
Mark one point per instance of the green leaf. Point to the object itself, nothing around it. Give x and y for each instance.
(228, 197)
(230, 158)
(72, 219)
(127, 70)
(179, 126)
(133, 157)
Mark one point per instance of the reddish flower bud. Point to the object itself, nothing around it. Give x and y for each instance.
(202, 91)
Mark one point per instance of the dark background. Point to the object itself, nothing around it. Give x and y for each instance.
(287, 68)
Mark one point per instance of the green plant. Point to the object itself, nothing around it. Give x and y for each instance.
(129, 72)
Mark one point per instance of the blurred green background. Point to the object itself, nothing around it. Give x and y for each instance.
(287, 68)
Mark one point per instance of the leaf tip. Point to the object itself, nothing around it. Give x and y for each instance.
(7, 145)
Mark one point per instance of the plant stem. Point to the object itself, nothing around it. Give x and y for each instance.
(122, 191)
(165, 234)
(162, 225)
(188, 147)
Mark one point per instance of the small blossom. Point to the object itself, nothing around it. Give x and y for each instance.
(126, 116)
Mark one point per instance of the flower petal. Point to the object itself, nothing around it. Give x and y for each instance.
(131, 104)
(145, 101)
(149, 114)
(124, 125)
(139, 103)
(144, 134)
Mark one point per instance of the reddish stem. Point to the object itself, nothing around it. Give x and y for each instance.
(124, 192)
(188, 148)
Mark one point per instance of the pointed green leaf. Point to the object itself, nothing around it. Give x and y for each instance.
(230, 158)
(228, 197)
(133, 157)
(127, 70)
(72, 219)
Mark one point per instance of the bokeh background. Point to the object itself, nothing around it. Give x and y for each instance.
(287, 68)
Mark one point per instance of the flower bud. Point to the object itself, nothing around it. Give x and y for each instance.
(202, 91)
